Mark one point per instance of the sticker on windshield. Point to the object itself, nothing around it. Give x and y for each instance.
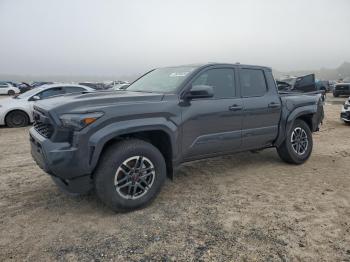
(178, 74)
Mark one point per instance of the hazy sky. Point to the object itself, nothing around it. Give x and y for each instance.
(104, 37)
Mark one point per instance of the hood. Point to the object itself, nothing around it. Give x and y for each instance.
(90, 101)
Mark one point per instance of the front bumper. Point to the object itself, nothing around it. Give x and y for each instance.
(2, 116)
(62, 162)
(345, 115)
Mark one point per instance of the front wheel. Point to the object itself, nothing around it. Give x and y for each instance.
(297, 147)
(130, 174)
(17, 119)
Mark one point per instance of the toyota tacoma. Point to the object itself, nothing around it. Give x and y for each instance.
(123, 144)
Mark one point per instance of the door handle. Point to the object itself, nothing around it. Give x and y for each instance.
(273, 105)
(235, 108)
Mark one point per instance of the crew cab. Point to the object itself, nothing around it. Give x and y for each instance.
(125, 143)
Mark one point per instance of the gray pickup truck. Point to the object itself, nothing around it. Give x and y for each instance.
(125, 143)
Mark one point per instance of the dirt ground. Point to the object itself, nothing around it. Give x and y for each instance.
(244, 207)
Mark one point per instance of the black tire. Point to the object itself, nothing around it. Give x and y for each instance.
(288, 153)
(17, 118)
(11, 93)
(335, 94)
(111, 161)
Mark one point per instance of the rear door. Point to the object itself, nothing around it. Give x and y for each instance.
(261, 107)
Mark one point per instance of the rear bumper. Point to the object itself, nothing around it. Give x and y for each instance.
(62, 162)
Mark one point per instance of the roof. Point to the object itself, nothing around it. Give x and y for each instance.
(223, 64)
(46, 86)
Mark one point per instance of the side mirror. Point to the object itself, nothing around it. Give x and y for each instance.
(35, 98)
(200, 91)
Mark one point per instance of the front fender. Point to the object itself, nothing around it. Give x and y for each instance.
(99, 139)
(19, 108)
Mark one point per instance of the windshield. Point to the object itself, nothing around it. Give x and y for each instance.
(162, 80)
(29, 93)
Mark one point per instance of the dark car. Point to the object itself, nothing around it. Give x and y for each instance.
(323, 85)
(125, 143)
(304, 83)
(24, 87)
(36, 84)
(341, 89)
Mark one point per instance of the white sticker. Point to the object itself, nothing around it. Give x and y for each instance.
(178, 74)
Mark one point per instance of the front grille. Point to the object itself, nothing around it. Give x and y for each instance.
(342, 88)
(46, 130)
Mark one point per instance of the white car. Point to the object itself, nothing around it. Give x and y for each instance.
(345, 112)
(17, 111)
(8, 89)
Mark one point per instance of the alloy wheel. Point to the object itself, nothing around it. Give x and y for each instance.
(299, 141)
(134, 177)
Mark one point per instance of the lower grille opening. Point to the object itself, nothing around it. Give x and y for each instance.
(44, 129)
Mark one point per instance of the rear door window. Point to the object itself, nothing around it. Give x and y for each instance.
(51, 92)
(73, 89)
(253, 82)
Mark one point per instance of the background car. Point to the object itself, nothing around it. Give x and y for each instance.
(7, 88)
(96, 86)
(341, 89)
(304, 83)
(345, 112)
(115, 84)
(36, 84)
(323, 85)
(17, 111)
(24, 87)
(120, 87)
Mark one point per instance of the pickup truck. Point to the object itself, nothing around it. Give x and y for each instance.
(124, 144)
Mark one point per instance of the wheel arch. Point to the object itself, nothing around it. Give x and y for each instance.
(305, 113)
(161, 133)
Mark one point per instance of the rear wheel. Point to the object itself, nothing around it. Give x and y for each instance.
(297, 147)
(11, 93)
(17, 119)
(130, 174)
(335, 94)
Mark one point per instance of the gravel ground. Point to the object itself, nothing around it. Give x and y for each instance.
(244, 207)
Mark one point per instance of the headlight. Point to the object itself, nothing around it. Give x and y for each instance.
(79, 121)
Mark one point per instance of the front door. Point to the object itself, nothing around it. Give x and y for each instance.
(213, 125)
